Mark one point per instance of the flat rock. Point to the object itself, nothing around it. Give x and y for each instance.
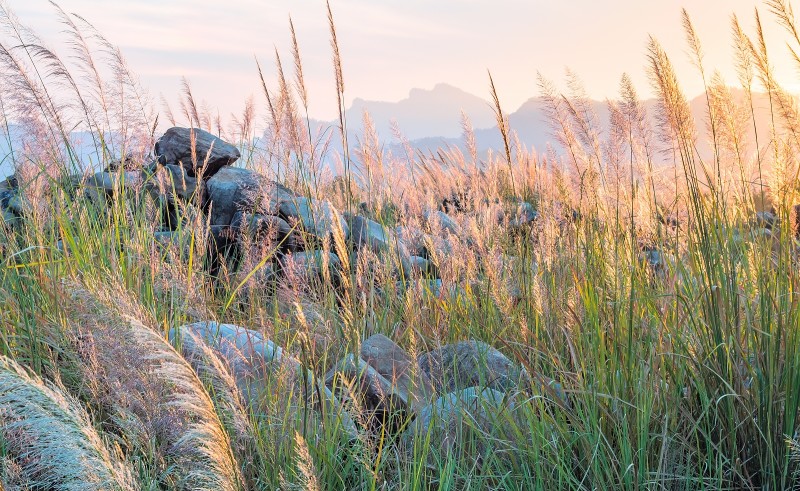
(208, 155)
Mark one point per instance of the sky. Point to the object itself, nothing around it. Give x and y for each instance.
(391, 46)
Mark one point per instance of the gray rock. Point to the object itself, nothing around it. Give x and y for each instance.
(108, 181)
(464, 425)
(410, 384)
(436, 248)
(170, 184)
(377, 398)
(472, 363)
(16, 204)
(419, 266)
(259, 228)
(309, 266)
(413, 238)
(208, 155)
(258, 366)
(8, 218)
(380, 240)
(316, 217)
(525, 214)
(654, 259)
(765, 219)
(439, 220)
(234, 189)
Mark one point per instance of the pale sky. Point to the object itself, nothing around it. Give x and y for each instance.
(391, 46)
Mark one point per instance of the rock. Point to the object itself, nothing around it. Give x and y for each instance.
(441, 221)
(127, 163)
(765, 219)
(355, 380)
(525, 214)
(392, 362)
(419, 266)
(222, 246)
(166, 238)
(16, 204)
(170, 185)
(316, 217)
(379, 239)
(260, 228)
(307, 268)
(175, 148)
(428, 288)
(436, 249)
(173, 181)
(464, 425)
(259, 367)
(472, 363)
(371, 234)
(8, 218)
(234, 189)
(457, 202)
(654, 259)
(109, 181)
(413, 238)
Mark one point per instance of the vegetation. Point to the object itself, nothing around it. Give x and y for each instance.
(645, 287)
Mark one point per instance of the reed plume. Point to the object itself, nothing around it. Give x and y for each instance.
(50, 437)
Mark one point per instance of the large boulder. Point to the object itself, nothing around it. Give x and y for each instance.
(317, 218)
(234, 189)
(472, 363)
(207, 156)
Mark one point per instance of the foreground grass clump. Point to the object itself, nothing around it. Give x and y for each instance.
(654, 310)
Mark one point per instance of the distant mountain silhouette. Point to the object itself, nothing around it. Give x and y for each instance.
(424, 113)
(431, 119)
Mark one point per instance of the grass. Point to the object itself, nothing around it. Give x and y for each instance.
(683, 374)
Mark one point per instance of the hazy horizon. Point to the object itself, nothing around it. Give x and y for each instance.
(388, 50)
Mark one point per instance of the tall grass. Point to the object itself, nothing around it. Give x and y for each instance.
(645, 288)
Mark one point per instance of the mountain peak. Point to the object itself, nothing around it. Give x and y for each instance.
(434, 112)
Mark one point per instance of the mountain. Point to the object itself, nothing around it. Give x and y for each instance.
(431, 119)
(424, 113)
